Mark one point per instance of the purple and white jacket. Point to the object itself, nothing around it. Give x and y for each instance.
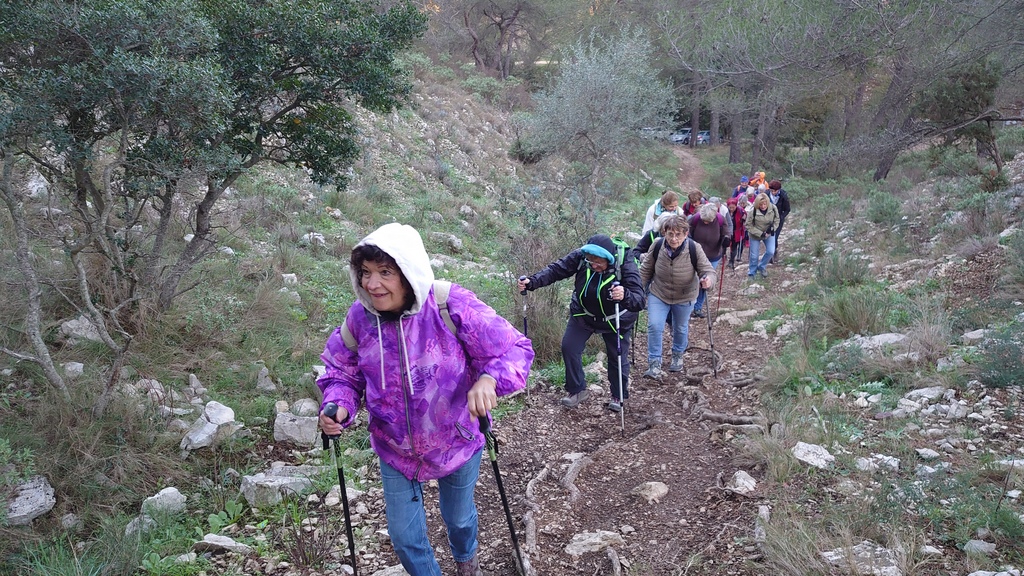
(413, 373)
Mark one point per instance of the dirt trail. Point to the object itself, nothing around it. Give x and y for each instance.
(573, 471)
(690, 172)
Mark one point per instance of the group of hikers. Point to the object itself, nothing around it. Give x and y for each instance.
(428, 359)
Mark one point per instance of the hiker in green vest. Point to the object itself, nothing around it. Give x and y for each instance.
(596, 266)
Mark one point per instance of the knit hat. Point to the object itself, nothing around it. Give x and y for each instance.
(600, 245)
(744, 180)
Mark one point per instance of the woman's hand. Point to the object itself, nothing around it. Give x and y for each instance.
(523, 283)
(618, 293)
(482, 397)
(330, 426)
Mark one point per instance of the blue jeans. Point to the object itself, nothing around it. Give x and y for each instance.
(407, 520)
(760, 264)
(699, 305)
(657, 312)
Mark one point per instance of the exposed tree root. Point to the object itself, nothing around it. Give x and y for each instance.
(569, 480)
(531, 503)
(700, 409)
(616, 565)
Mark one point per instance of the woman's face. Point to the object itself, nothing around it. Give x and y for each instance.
(763, 205)
(674, 238)
(732, 208)
(597, 264)
(384, 283)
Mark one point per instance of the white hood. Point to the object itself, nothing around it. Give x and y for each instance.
(403, 243)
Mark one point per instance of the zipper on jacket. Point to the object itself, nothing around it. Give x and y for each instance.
(403, 375)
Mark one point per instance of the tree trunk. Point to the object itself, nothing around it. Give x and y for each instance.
(23, 254)
(758, 145)
(694, 119)
(194, 251)
(735, 134)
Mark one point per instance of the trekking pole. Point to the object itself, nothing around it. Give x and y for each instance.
(522, 564)
(721, 278)
(526, 331)
(618, 357)
(331, 410)
(711, 339)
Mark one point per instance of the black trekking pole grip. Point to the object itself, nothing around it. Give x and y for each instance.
(331, 411)
(522, 279)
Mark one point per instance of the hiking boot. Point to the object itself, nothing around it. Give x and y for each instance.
(654, 370)
(615, 405)
(677, 363)
(468, 568)
(699, 313)
(764, 274)
(572, 401)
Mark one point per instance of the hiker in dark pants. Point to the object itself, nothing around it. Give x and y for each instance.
(595, 266)
(780, 198)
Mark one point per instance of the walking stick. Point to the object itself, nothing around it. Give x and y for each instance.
(526, 331)
(721, 278)
(331, 410)
(522, 564)
(711, 339)
(618, 357)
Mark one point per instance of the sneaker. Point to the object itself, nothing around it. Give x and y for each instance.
(615, 405)
(573, 400)
(764, 273)
(699, 313)
(677, 363)
(654, 370)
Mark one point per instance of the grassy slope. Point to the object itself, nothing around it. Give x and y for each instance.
(440, 166)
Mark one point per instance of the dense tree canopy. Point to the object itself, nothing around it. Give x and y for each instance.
(139, 111)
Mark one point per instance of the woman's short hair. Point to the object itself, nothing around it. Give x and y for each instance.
(775, 185)
(695, 197)
(708, 212)
(676, 223)
(669, 197)
(371, 253)
(760, 197)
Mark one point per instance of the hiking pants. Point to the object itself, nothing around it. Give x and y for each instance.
(577, 332)
(759, 263)
(699, 305)
(407, 520)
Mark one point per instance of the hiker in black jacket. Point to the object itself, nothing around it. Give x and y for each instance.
(596, 266)
(780, 198)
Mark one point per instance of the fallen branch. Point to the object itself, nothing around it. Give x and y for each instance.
(569, 480)
(531, 503)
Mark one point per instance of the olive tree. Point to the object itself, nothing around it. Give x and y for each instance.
(141, 114)
(606, 91)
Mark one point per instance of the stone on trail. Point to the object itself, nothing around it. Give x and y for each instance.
(391, 571)
(742, 483)
(218, 543)
(979, 548)
(651, 491)
(593, 542)
(167, 501)
(34, 498)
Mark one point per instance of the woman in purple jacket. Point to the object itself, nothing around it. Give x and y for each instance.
(424, 385)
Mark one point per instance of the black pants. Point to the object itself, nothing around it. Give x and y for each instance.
(778, 231)
(577, 332)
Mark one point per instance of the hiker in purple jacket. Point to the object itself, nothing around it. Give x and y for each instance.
(424, 385)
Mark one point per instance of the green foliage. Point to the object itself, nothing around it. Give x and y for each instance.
(884, 209)
(859, 310)
(999, 364)
(308, 541)
(841, 269)
(16, 466)
(232, 513)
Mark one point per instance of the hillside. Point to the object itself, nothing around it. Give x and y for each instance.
(863, 342)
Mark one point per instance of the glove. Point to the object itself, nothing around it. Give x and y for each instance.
(769, 232)
(726, 242)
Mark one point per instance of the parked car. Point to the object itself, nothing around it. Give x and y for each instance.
(703, 138)
(680, 136)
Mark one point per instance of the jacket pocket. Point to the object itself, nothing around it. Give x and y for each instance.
(464, 432)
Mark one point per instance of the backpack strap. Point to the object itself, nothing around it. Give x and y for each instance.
(693, 254)
(441, 290)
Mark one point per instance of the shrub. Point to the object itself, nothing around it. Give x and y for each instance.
(860, 310)
(840, 269)
(999, 364)
(884, 209)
